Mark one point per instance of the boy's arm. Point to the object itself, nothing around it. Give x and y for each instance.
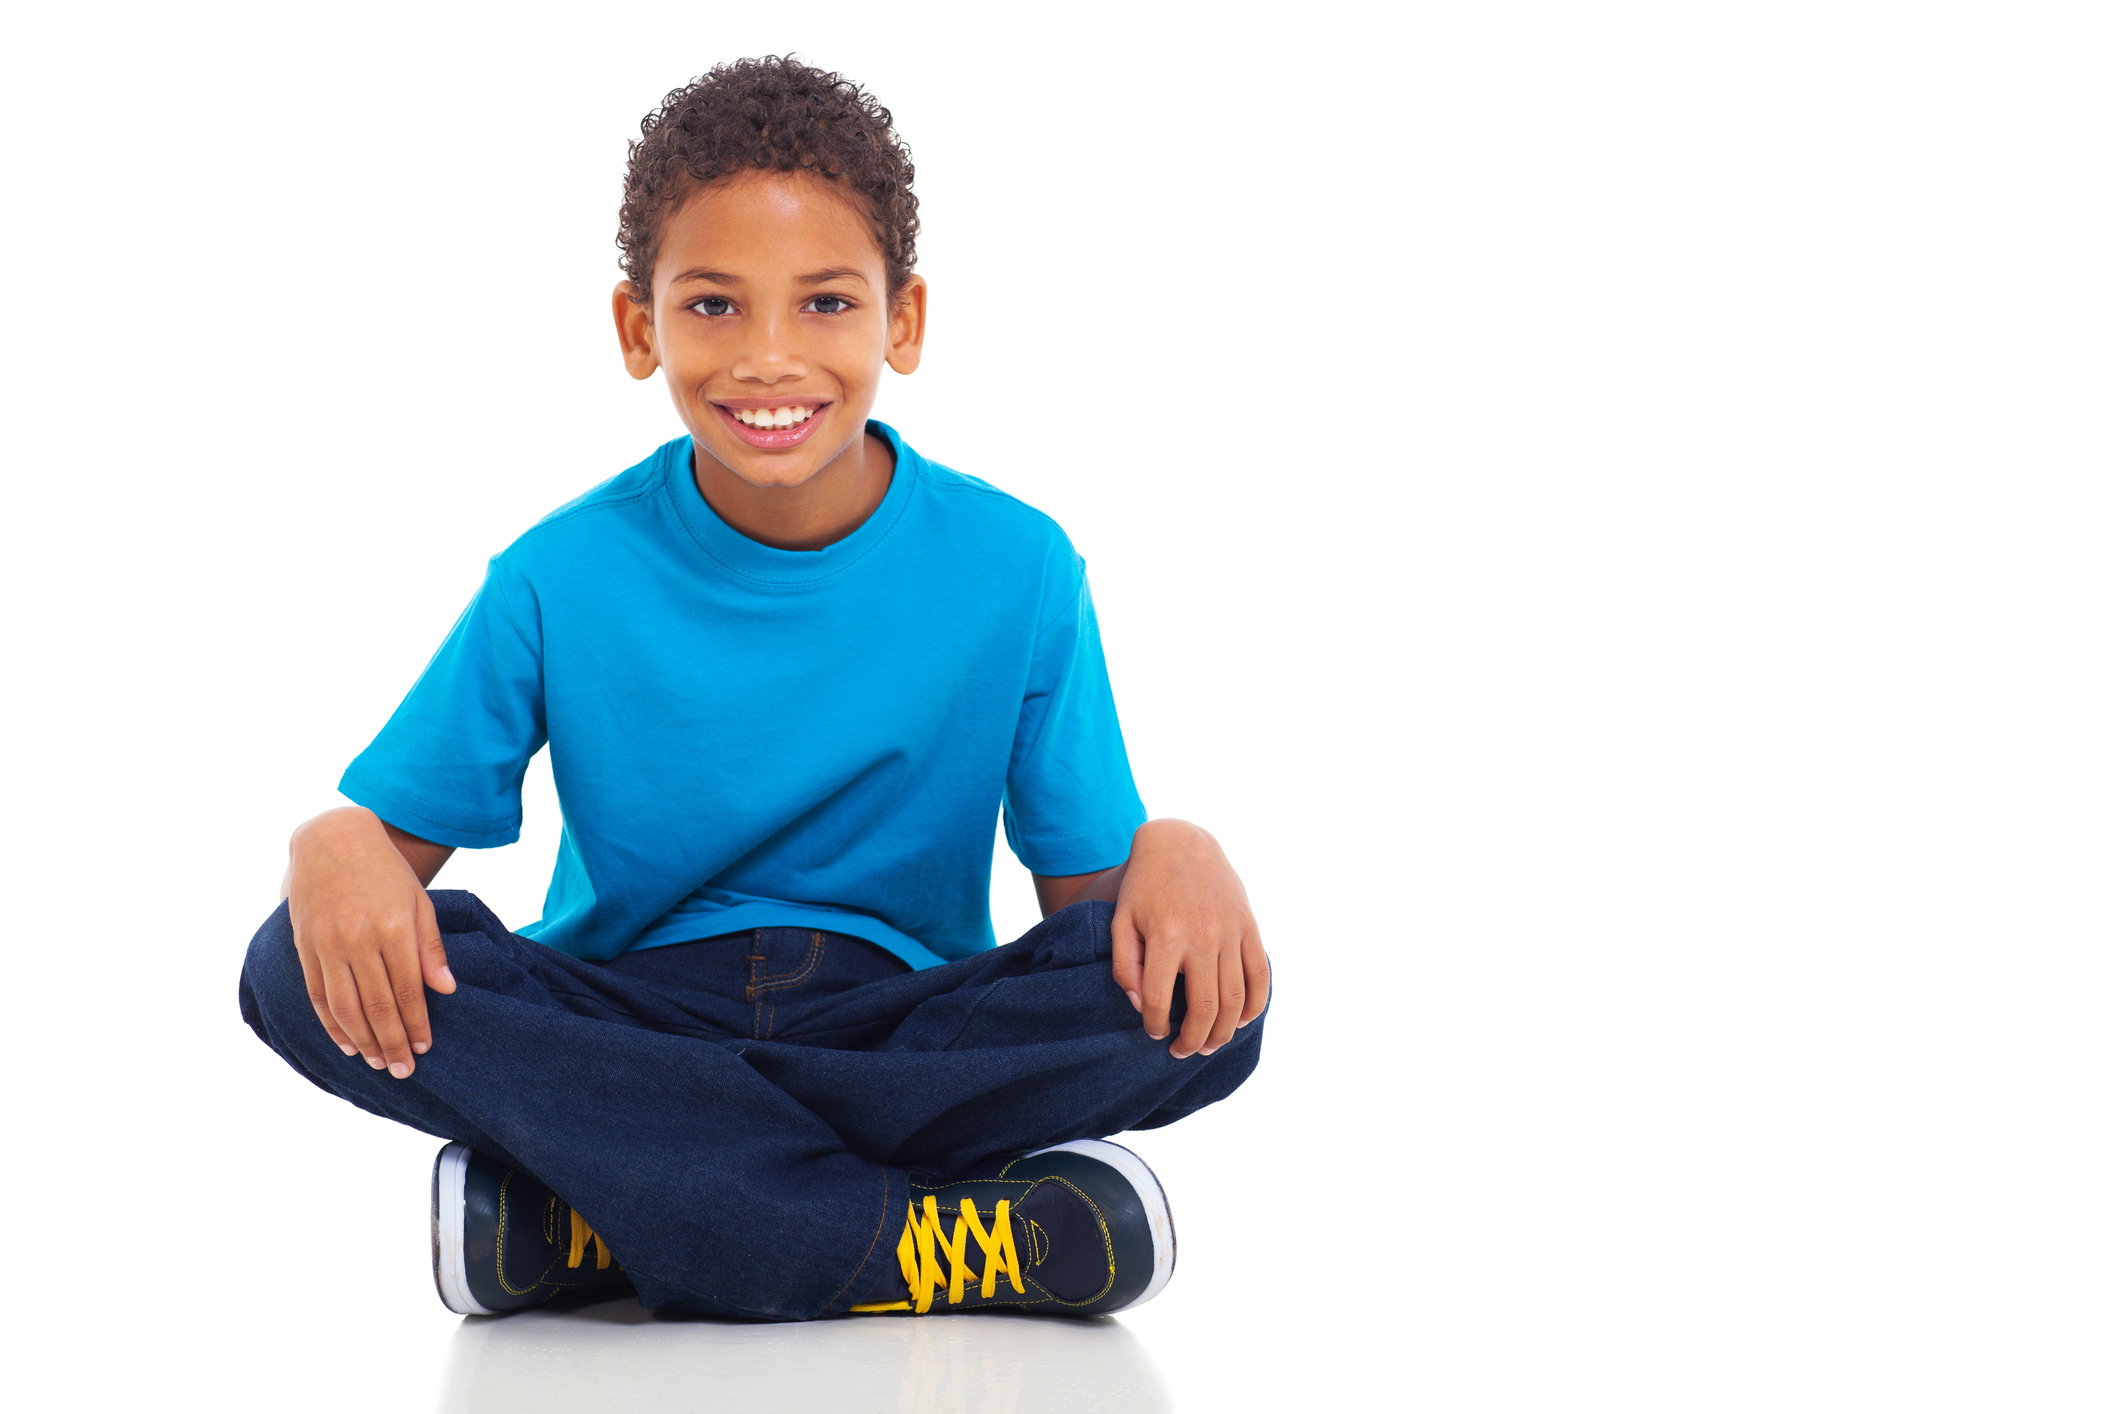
(356, 891)
(1179, 909)
(425, 857)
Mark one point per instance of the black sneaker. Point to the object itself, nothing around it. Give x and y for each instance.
(503, 1240)
(1080, 1229)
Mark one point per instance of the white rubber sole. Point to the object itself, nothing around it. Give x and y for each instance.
(1163, 1234)
(450, 1280)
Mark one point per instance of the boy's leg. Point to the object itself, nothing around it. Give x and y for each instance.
(1013, 1049)
(718, 1191)
(716, 1163)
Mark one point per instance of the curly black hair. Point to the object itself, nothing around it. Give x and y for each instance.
(777, 115)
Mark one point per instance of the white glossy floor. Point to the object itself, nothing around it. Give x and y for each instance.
(620, 1356)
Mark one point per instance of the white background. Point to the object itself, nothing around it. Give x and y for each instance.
(1608, 511)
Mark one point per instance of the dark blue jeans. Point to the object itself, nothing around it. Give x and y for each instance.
(737, 1117)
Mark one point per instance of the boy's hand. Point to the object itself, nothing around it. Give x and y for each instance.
(366, 933)
(1181, 910)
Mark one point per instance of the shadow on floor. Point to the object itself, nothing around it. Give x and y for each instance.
(615, 1355)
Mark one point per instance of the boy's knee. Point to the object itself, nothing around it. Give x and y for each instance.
(272, 971)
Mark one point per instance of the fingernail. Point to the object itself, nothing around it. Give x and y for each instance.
(1158, 1036)
(1136, 998)
(349, 1050)
(400, 1069)
(375, 1062)
(1209, 1050)
(419, 1048)
(449, 977)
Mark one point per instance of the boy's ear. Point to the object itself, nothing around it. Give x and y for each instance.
(909, 325)
(636, 332)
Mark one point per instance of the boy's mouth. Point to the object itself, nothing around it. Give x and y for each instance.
(771, 426)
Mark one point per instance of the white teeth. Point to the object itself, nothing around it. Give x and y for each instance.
(772, 417)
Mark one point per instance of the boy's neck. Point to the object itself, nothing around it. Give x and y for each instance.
(827, 508)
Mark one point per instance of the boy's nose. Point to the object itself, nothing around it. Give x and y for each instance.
(771, 354)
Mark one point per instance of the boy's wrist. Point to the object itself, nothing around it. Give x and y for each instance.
(1169, 833)
(356, 834)
(342, 823)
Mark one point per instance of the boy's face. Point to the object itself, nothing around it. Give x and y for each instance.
(772, 325)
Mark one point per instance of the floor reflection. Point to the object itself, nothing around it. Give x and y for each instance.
(615, 1355)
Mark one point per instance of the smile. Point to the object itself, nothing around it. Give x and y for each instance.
(772, 417)
(772, 429)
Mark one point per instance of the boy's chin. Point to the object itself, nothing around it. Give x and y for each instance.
(786, 481)
(771, 471)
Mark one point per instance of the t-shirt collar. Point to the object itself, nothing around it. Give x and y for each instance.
(765, 563)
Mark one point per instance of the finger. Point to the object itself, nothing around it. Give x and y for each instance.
(1201, 1004)
(344, 994)
(1127, 955)
(434, 960)
(313, 983)
(402, 962)
(1229, 997)
(379, 1003)
(1259, 978)
(1159, 972)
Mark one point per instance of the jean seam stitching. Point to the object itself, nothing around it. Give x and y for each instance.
(802, 973)
(754, 966)
(970, 1013)
(881, 1218)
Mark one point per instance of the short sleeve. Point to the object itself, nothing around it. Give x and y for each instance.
(1069, 806)
(448, 765)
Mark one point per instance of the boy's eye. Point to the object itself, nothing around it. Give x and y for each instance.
(714, 306)
(828, 304)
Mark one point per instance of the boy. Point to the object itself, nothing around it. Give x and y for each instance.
(761, 1057)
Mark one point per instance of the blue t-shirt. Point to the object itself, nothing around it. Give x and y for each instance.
(747, 737)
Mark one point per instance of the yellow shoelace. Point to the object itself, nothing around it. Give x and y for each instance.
(579, 1238)
(922, 1269)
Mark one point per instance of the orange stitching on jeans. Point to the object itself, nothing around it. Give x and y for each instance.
(802, 972)
(755, 966)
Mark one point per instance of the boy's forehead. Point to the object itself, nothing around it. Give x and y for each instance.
(761, 223)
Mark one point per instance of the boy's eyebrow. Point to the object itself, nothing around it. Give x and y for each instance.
(815, 277)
